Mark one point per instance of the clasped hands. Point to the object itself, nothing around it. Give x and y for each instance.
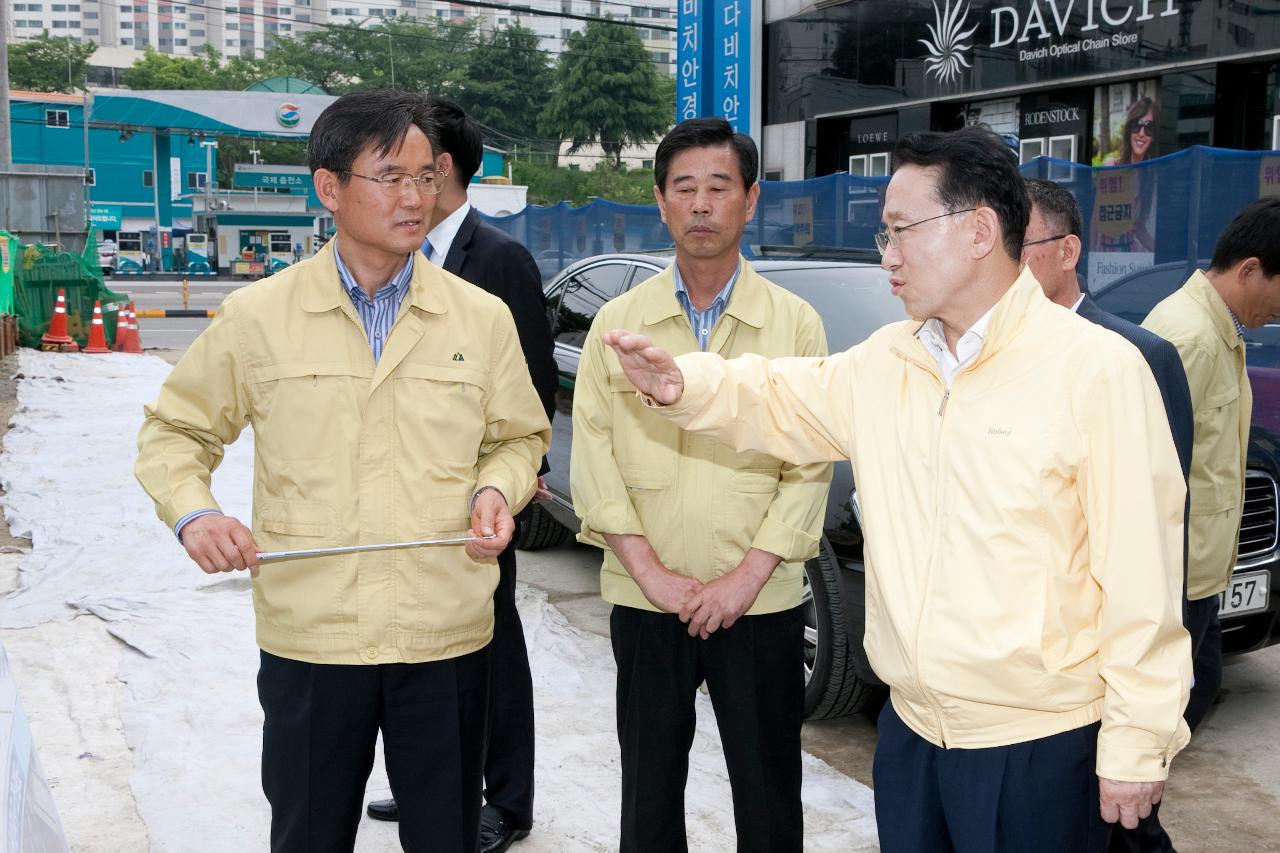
(707, 607)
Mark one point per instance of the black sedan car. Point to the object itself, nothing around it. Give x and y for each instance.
(853, 299)
(1247, 609)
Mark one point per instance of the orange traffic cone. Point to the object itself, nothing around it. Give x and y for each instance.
(57, 339)
(134, 342)
(97, 335)
(122, 328)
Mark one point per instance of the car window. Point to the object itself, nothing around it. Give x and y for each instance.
(852, 301)
(581, 296)
(1133, 297)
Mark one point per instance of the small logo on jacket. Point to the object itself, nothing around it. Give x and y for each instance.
(457, 356)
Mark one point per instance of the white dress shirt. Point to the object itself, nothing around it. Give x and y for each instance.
(441, 237)
(934, 339)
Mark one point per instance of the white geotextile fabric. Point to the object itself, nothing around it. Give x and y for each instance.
(189, 708)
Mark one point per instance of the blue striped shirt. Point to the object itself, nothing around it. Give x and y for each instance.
(378, 314)
(703, 322)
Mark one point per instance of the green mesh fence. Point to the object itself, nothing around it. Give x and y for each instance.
(40, 272)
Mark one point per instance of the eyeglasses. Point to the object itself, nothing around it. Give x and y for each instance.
(1028, 245)
(892, 236)
(398, 183)
(1146, 126)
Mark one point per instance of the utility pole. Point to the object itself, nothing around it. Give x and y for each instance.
(392, 56)
(85, 110)
(6, 137)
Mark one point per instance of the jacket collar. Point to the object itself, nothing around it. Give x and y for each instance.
(1007, 319)
(747, 302)
(1207, 297)
(1089, 309)
(322, 289)
(462, 241)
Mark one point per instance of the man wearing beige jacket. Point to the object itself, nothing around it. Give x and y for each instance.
(704, 547)
(1023, 505)
(389, 402)
(1205, 319)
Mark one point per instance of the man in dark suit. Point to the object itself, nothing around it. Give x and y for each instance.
(467, 246)
(1051, 249)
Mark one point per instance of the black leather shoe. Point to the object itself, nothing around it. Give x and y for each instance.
(384, 810)
(496, 831)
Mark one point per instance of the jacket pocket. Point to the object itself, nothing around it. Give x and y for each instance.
(448, 514)
(445, 403)
(643, 478)
(1212, 498)
(754, 482)
(295, 517)
(306, 410)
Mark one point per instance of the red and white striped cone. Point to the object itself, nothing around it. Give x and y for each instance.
(57, 339)
(97, 334)
(122, 328)
(134, 343)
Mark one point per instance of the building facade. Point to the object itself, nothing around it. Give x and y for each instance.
(1099, 82)
(247, 27)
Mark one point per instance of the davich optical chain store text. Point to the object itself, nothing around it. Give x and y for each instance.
(1100, 82)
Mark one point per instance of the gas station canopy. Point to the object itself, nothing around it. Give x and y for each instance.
(263, 115)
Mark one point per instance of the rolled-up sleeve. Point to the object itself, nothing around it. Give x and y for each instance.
(599, 494)
(517, 432)
(793, 525)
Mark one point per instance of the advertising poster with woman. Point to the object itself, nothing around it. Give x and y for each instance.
(1126, 119)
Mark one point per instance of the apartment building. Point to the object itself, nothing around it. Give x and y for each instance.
(246, 27)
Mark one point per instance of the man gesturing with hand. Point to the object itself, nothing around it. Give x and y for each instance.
(1023, 503)
(704, 547)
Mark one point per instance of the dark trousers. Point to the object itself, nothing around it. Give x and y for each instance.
(1040, 795)
(322, 723)
(1206, 657)
(755, 675)
(508, 762)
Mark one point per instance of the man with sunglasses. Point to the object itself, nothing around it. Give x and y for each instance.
(1023, 504)
(389, 402)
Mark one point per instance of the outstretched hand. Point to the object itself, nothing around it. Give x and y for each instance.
(651, 369)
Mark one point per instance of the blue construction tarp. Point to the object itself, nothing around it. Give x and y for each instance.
(1170, 209)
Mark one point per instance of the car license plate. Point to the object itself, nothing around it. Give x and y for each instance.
(1246, 593)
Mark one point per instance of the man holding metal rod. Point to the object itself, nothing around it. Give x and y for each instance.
(390, 404)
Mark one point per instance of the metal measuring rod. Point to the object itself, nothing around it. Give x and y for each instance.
(382, 546)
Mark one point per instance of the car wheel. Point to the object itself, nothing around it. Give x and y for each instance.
(832, 686)
(536, 530)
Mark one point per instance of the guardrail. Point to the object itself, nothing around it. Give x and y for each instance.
(154, 313)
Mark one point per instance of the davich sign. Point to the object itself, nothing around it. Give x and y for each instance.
(1036, 39)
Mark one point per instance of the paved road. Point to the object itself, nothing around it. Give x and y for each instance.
(1224, 792)
(173, 332)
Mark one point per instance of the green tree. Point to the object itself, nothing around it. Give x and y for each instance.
(508, 82)
(552, 184)
(208, 70)
(607, 92)
(426, 56)
(49, 63)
